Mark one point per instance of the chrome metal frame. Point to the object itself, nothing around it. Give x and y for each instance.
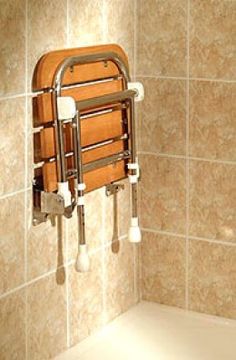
(125, 96)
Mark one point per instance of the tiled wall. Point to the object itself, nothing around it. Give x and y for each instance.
(186, 58)
(45, 306)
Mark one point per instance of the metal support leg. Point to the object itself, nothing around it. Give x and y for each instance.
(82, 260)
(134, 230)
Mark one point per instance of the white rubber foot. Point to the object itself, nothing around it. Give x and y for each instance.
(82, 261)
(134, 234)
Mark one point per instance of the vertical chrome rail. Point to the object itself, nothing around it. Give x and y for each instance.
(82, 262)
(134, 233)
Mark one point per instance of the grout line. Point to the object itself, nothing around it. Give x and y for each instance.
(157, 154)
(33, 94)
(212, 241)
(226, 162)
(104, 22)
(11, 97)
(135, 37)
(66, 234)
(161, 232)
(67, 22)
(161, 77)
(195, 238)
(26, 183)
(187, 185)
(156, 77)
(152, 153)
(212, 80)
(17, 192)
(66, 222)
(30, 282)
(104, 274)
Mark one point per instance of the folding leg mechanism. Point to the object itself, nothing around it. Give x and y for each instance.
(66, 109)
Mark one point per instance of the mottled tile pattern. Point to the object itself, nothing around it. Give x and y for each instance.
(162, 37)
(85, 298)
(120, 294)
(93, 223)
(45, 245)
(30, 140)
(117, 213)
(11, 242)
(46, 320)
(212, 39)
(46, 30)
(212, 278)
(163, 269)
(162, 116)
(12, 47)
(12, 114)
(12, 326)
(213, 200)
(212, 120)
(85, 22)
(120, 25)
(163, 193)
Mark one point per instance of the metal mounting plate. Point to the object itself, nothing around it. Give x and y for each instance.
(112, 189)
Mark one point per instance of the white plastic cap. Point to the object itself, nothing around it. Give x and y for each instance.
(63, 190)
(82, 261)
(138, 86)
(134, 234)
(66, 107)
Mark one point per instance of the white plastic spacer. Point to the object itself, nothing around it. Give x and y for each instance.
(134, 234)
(63, 190)
(81, 186)
(66, 107)
(138, 86)
(133, 179)
(133, 166)
(82, 261)
(80, 201)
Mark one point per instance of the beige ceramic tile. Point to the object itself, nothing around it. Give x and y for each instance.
(85, 299)
(12, 47)
(162, 116)
(46, 321)
(137, 272)
(162, 37)
(117, 213)
(163, 269)
(85, 22)
(120, 292)
(11, 242)
(45, 245)
(46, 30)
(212, 278)
(30, 140)
(93, 223)
(212, 120)
(12, 114)
(120, 25)
(12, 326)
(212, 39)
(213, 200)
(163, 193)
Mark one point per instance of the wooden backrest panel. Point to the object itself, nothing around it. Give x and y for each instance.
(94, 130)
(45, 69)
